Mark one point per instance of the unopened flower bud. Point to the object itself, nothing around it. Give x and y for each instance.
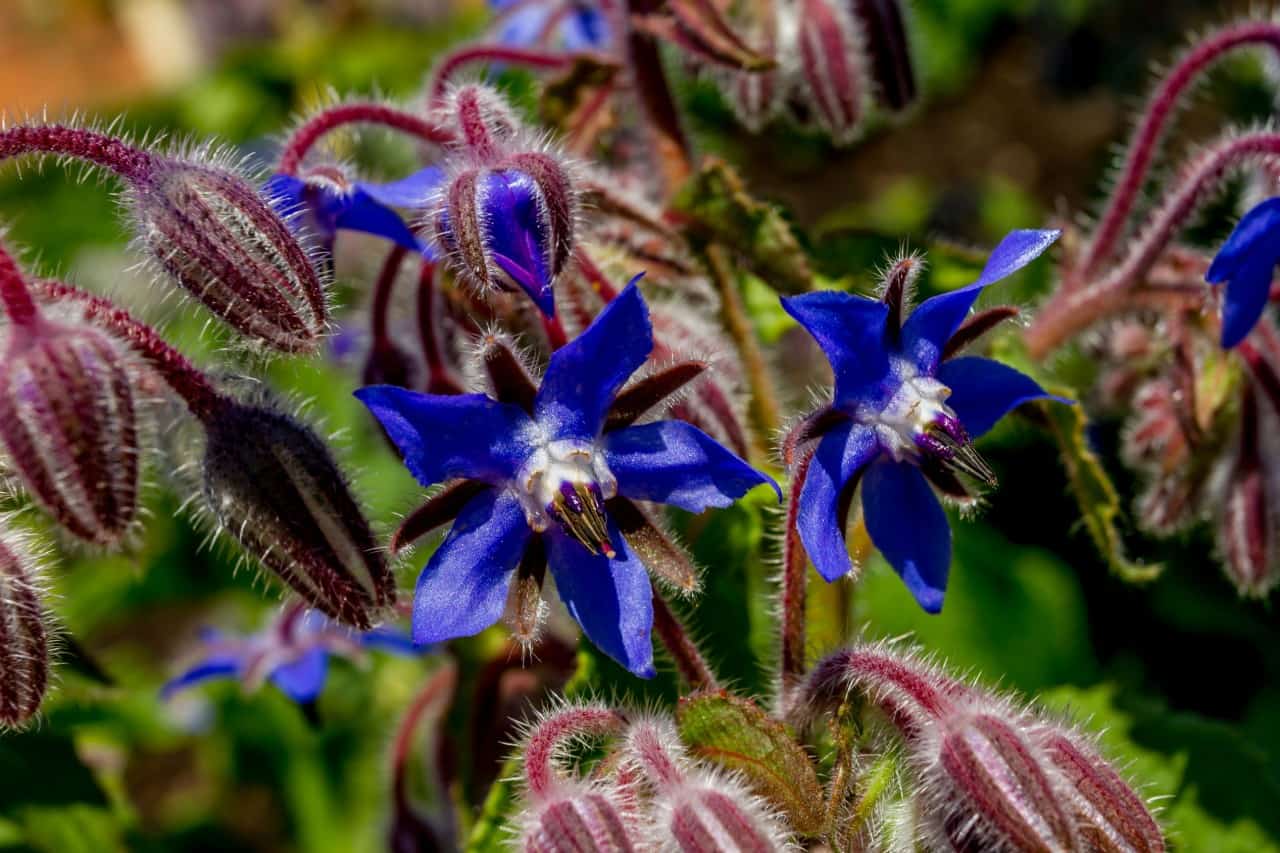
(1246, 517)
(273, 485)
(222, 242)
(889, 51)
(1110, 816)
(68, 423)
(24, 635)
(834, 67)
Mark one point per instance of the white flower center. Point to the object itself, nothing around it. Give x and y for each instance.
(913, 410)
(568, 481)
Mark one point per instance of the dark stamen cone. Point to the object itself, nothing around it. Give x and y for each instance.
(272, 485)
(24, 635)
(219, 239)
(68, 423)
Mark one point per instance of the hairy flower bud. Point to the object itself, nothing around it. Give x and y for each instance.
(222, 242)
(1246, 516)
(24, 635)
(889, 51)
(68, 422)
(1110, 816)
(273, 485)
(833, 64)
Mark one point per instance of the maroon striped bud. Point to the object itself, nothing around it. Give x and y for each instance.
(69, 425)
(1246, 517)
(888, 51)
(274, 487)
(833, 64)
(1110, 817)
(24, 633)
(212, 232)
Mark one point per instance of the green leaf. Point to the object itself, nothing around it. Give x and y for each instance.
(1093, 490)
(74, 829)
(736, 734)
(42, 768)
(722, 211)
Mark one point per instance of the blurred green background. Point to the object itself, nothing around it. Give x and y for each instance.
(1025, 103)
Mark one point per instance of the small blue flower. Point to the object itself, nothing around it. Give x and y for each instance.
(571, 25)
(901, 413)
(292, 653)
(330, 202)
(545, 472)
(1246, 262)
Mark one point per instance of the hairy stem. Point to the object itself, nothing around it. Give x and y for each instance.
(543, 60)
(693, 667)
(383, 287)
(1147, 137)
(436, 689)
(315, 128)
(132, 164)
(439, 379)
(655, 96)
(14, 294)
(792, 590)
(764, 396)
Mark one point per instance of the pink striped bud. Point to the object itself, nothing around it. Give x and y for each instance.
(833, 64)
(563, 813)
(1110, 816)
(68, 422)
(24, 633)
(210, 230)
(694, 810)
(274, 487)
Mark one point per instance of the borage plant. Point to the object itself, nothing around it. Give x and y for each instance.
(552, 411)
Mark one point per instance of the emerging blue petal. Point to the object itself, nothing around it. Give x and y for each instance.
(517, 235)
(463, 589)
(983, 391)
(414, 191)
(359, 211)
(1246, 298)
(908, 525)
(851, 332)
(216, 666)
(841, 455)
(525, 24)
(611, 599)
(584, 375)
(676, 463)
(584, 28)
(932, 324)
(447, 436)
(303, 679)
(364, 207)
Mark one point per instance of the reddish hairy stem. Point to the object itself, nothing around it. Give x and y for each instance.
(383, 287)
(793, 588)
(132, 164)
(439, 380)
(306, 136)
(476, 53)
(438, 686)
(654, 91)
(555, 332)
(14, 293)
(1070, 311)
(595, 276)
(1146, 139)
(195, 389)
(693, 667)
(540, 774)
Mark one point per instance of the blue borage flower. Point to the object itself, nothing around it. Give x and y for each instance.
(1246, 263)
(902, 411)
(545, 481)
(572, 25)
(292, 652)
(329, 202)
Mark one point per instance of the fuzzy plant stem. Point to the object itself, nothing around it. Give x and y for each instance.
(654, 92)
(431, 696)
(439, 379)
(383, 288)
(195, 389)
(1070, 311)
(693, 667)
(531, 58)
(1161, 108)
(595, 277)
(315, 128)
(99, 149)
(18, 305)
(764, 395)
(792, 590)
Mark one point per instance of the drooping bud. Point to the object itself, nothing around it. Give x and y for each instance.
(833, 64)
(695, 810)
(69, 425)
(1246, 519)
(1110, 817)
(273, 485)
(212, 232)
(888, 51)
(569, 814)
(24, 633)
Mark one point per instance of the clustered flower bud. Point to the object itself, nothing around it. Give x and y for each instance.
(220, 240)
(24, 632)
(988, 775)
(506, 216)
(274, 487)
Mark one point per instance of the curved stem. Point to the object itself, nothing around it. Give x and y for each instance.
(439, 380)
(546, 60)
(595, 276)
(792, 590)
(1146, 139)
(314, 128)
(439, 686)
(555, 332)
(764, 395)
(383, 287)
(195, 389)
(654, 91)
(18, 304)
(132, 164)
(1070, 311)
(693, 667)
